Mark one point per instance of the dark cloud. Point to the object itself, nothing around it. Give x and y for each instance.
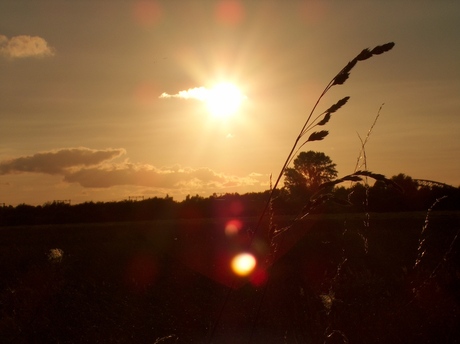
(59, 161)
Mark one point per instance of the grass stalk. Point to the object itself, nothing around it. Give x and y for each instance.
(319, 120)
(338, 79)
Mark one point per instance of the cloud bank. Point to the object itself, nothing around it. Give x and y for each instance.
(24, 46)
(92, 168)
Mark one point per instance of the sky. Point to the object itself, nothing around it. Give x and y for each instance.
(106, 100)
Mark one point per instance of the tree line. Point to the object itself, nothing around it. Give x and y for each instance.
(311, 172)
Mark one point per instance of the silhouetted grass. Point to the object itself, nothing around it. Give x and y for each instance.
(354, 282)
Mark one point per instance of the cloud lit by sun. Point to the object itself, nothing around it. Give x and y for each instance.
(222, 100)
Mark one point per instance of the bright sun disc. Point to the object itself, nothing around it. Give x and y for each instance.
(223, 100)
(243, 264)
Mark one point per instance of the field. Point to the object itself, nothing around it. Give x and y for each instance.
(334, 280)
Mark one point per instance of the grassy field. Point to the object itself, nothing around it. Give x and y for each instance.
(335, 280)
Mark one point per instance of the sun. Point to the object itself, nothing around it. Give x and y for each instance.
(224, 100)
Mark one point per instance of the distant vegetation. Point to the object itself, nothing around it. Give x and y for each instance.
(415, 195)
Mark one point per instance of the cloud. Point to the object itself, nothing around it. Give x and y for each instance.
(198, 93)
(92, 168)
(24, 46)
(58, 161)
(149, 176)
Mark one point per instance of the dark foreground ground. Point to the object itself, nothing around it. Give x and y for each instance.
(338, 280)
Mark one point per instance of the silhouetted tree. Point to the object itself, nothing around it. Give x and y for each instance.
(310, 170)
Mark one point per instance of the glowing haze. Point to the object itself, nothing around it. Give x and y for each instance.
(102, 100)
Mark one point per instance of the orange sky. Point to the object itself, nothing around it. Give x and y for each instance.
(82, 117)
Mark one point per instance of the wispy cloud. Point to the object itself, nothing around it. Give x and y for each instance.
(220, 91)
(24, 46)
(198, 93)
(95, 169)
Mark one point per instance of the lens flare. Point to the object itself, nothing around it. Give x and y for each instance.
(233, 227)
(243, 264)
(147, 13)
(229, 12)
(141, 272)
(259, 277)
